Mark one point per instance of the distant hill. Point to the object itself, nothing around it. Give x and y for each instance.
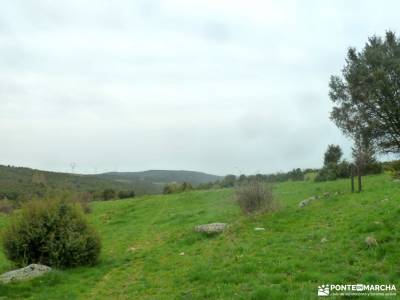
(17, 182)
(20, 182)
(161, 177)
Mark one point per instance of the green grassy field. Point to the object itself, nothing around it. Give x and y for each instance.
(150, 250)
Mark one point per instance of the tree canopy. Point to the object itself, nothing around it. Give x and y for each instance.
(367, 96)
(332, 155)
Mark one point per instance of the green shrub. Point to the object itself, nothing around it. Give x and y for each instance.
(109, 194)
(326, 174)
(51, 232)
(6, 206)
(255, 197)
(126, 194)
(373, 168)
(343, 169)
(173, 188)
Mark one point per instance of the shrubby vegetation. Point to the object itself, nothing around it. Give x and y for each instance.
(336, 168)
(230, 180)
(126, 194)
(51, 232)
(255, 196)
(393, 168)
(6, 206)
(174, 188)
(109, 194)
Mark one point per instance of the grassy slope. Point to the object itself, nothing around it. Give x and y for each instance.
(286, 261)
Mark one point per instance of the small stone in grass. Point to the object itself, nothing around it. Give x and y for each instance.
(371, 241)
(259, 229)
(182, 253)
(306, 202)
(211, 228)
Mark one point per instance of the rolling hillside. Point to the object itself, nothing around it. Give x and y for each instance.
(162, 176)
(150, 250)
(22, 182)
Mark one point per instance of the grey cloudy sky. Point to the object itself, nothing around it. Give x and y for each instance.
(214, 85)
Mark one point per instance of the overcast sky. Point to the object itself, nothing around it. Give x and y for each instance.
(220, 86)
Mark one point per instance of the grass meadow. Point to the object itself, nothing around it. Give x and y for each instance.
(150, 250)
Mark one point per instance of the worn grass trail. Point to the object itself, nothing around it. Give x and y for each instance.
(150, 250)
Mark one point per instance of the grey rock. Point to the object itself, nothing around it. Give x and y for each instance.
(29, 272)
(306, 202)
(211, 228)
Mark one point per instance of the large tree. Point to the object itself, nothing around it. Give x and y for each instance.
(367, 96)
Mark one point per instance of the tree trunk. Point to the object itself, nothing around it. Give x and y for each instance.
(352, 179)
(359, 179)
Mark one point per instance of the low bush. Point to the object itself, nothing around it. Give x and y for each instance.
(173, 188)
(6, 206)
(84, 199)
(51, 232)
(126, 194)
(108, 194)
(255, 197)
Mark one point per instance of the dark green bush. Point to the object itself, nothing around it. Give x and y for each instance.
(373, 168)
(173, 188)
(326, 174)
(6, 206)
(109, 194)
(126, 194)
(343, 169)
(51, 232)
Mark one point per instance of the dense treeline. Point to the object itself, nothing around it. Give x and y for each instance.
(232, 180)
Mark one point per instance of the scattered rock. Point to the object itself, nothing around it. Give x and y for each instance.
(132, 249)
(211, 228)
(259, 229)
(371, 241)
(324, 240)
(327, 194)
(306, 202)
(29, 272)
(182, 253)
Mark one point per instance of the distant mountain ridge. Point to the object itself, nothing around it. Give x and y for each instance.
(22, 182)
(162, 176)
